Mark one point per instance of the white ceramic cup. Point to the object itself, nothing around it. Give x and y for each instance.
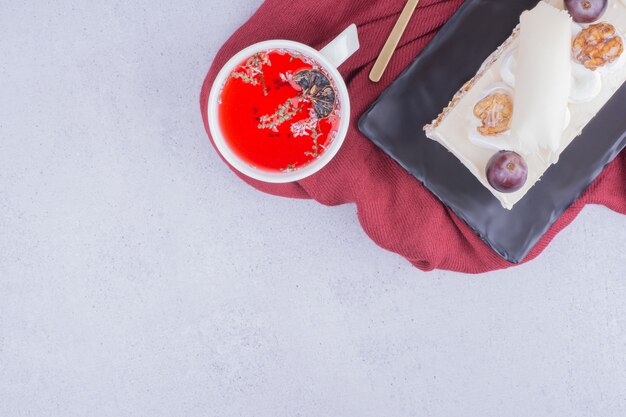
(330, 58)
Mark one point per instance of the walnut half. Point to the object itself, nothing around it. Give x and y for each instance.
(495, 112)
(597, 46)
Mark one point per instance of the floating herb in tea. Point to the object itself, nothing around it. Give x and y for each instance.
(252, 71)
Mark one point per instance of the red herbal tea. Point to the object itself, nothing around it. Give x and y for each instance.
(279, 110)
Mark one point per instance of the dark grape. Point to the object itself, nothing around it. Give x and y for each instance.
(507, 171)
(586, 11)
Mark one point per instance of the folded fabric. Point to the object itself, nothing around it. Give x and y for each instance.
(395, 210)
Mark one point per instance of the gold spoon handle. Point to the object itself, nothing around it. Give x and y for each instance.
(392, 42)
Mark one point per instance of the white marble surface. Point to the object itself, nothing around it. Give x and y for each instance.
(139, 277)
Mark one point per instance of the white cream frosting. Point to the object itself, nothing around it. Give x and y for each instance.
(542, 81)
(456, 127)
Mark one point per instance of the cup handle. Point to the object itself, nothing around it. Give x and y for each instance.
(342, 47)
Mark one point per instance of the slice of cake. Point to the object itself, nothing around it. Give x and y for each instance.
(535, 93)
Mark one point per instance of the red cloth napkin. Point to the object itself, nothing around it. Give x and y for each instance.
(395, 210)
